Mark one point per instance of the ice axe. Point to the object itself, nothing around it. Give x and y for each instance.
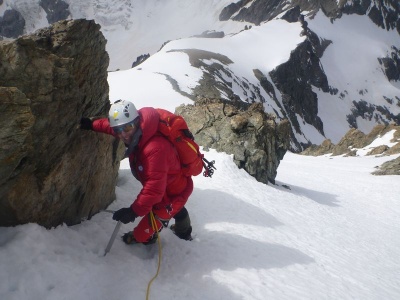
(114, 234)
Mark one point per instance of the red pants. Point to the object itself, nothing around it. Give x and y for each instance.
(144, 231)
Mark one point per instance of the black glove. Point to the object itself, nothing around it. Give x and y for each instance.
(125, 215)
(86, 124)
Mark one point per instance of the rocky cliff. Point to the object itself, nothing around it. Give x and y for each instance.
(254, 138)
(384, 13)
(355, 141)
(50, 171)
(303, 74)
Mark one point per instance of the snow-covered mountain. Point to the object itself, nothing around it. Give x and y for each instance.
(326, 65)
(327, 230)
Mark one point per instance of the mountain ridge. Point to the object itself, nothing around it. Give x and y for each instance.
(343, 72)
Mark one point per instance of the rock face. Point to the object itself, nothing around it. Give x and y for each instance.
(355, 139)
(391, 167)
(56, 10)
(256, 141)
(391, 64)
(296, 79)
(51, 172)
(384, 13)
(12, 24)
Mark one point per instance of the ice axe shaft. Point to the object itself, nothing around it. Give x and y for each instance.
(114, 234)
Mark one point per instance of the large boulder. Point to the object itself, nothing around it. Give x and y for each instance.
(51, 171)
(254, 138)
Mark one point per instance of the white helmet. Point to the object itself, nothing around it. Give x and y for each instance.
(122, 112)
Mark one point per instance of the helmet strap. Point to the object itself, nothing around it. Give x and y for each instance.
(135, 141)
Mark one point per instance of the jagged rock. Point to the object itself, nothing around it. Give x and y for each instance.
(384, 13)
(292, 15)
(393, 150)
(12, 24)
(246, 131)
(296, 78)
(258, 11)
(325, 148)
(228, 11)
(51, 171)
(351, 153)
(378, 150)
(140, 59)
(355, 139)
(391, 64)
(56, 10)
(391, 167)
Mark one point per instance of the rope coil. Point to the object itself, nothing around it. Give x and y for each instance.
(155, 228)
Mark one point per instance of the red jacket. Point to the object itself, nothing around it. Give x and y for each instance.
(155, 163)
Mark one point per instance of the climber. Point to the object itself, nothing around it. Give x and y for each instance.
(155, 163)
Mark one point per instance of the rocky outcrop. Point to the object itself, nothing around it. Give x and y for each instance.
(391, 64)
(228, 11)
(254, 138)
(384, 13)
(391, 167)
(51, 171)
(56, 10)
(355, 140)
(296, 78)
(140, 59)
(326, 147)
(12, 24)
(257, 12)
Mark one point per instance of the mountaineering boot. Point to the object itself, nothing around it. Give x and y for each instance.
(187, 236)
(128, 239)
(182, 227)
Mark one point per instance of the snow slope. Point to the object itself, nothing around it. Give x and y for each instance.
(333, 235)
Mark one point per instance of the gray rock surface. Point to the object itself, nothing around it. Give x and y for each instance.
(254, 138)
(391, 167)
(51, 171)
(355, 139)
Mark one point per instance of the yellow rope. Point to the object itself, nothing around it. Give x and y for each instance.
(155, 228)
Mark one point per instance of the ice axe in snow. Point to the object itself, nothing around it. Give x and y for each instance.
(114, 234)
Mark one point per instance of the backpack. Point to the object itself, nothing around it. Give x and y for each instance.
(174, 128)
